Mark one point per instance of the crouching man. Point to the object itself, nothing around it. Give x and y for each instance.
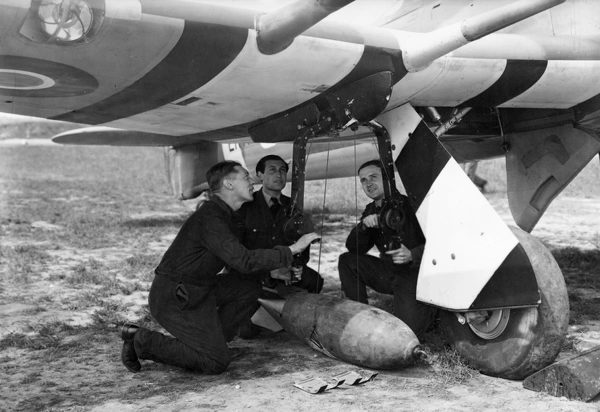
(395, 272)
(193, 295)
(264, 221)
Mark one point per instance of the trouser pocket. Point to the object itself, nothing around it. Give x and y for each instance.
(182, 296)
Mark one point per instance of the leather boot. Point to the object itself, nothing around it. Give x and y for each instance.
(128, 355)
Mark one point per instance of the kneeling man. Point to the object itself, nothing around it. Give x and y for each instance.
(194, 295)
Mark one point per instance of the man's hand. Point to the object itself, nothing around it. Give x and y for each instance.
(296, 273)
(371, 221)
(400, 256)
(304, 242)
(284, 274)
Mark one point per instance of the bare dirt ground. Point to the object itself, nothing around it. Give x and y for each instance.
(61, 302)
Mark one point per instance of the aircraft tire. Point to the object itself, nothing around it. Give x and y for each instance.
(532, 337)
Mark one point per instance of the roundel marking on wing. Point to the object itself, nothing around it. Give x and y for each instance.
(22, 80)
(29, 77)
(202, 52)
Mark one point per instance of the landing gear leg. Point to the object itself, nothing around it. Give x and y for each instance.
(505, 285)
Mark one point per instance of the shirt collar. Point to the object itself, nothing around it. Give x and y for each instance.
(221, 204)
(268, 198)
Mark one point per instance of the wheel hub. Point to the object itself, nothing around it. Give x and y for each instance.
(493, 325)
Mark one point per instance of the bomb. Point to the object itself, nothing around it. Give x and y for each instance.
(346, 330)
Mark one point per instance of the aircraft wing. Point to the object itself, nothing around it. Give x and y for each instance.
(196, 68)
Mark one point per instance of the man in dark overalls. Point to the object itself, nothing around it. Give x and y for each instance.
(193, 295)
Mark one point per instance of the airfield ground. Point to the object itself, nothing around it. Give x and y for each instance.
(81, 230)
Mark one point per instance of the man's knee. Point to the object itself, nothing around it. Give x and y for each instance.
(346, 260)
(219, 366)
(347, 264)
(212, 365)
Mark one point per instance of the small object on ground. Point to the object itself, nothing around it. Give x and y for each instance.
(355, 378)
(575, 378)
(45, 225)
(313, 384)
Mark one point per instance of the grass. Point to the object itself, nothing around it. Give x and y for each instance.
(109, 315)
(22, 260)
(580, 269)
(142, 264)
(40, 336)
(448, 365)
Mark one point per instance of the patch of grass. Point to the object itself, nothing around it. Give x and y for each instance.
(146, 320)
(84, 274)
(94, 272)
(449, 367)
(30, 252)
(580, 269)
(141, 266)
(15, 340)
(33, 311)
(44, 299)
(110, 313)
(42, 336)
(92, 233)
(90, 298)
(174, 222)
(569, 344)
(30, 378)
(582, 310)
(117, 287)
(142, 261)
(578, 259)
(21, 261)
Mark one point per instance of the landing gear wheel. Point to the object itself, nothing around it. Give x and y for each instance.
(531, 338)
